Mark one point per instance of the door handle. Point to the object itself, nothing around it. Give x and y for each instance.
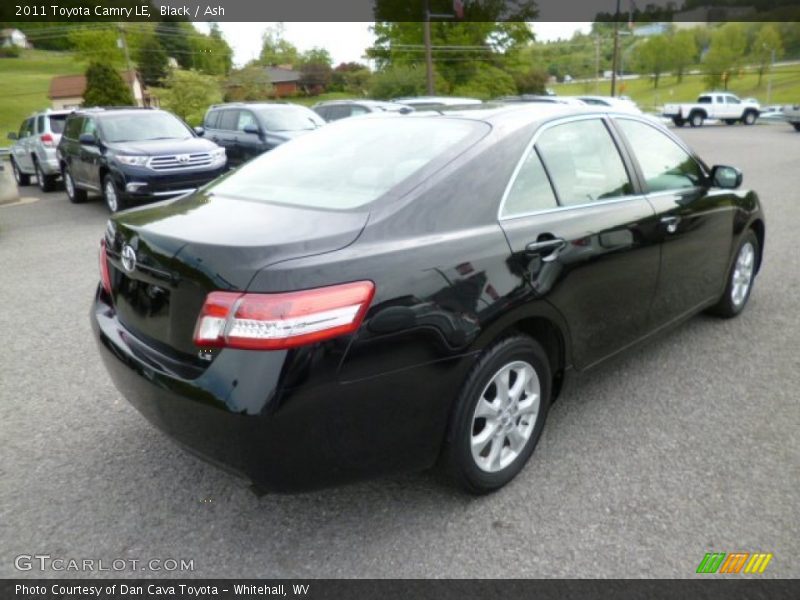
(671, 223)
(547, 249)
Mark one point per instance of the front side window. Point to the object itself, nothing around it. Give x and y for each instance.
(348, 164)
(583, 162)
(704, 100)
(290, 118)
(74, 126)
(531, 190)
(733, 100)
(23, 129)
(211, 119)
(665, 165)
(246, 118)
(90, 127)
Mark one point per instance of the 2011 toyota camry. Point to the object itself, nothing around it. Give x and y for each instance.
(397, 291)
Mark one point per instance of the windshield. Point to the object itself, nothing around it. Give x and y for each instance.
(289, 118)
(347, 164)
(144, 125)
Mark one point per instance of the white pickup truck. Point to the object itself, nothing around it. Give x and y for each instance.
(791, 113)
(721, 106)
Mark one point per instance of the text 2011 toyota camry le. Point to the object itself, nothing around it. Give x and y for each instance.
(397, 291)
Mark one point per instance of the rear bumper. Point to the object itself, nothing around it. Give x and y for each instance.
(240, 413)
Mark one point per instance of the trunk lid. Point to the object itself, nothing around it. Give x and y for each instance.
(184, 249)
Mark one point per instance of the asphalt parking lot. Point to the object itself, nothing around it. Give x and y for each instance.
(687, 445)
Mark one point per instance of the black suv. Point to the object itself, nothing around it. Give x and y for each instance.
(134, 154)
(246, 130)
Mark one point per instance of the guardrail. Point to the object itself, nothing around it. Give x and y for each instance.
(5, 152)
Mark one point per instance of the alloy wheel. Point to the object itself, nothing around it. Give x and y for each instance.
(17, 174)
(743, 274)
(110, 193)
(69, 184)
(505, 416)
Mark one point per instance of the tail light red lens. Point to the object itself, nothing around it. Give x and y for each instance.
(47, 139)
(105, 275)
(280, 321)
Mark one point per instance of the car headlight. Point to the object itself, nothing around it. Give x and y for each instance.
(218, 155)
(132, 160)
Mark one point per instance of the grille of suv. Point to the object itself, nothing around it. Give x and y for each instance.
(177, 162)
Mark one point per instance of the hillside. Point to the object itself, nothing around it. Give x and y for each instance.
(25, 82)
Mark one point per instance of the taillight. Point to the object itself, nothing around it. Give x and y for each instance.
(285, 320)
(105, 275)
(47, 140)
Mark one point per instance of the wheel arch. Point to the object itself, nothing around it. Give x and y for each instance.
(759, 229)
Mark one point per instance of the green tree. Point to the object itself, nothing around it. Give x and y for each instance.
(151, 60)
(174, 36)
(767, 46)
(683, 51)
(211, 53)
(275, 50)
(97, 45)
(352, 77)
(728, 44)
(105, 87)
(248, 84)
(189, 93)
(315, 65)
(653, 57)
(401, 80)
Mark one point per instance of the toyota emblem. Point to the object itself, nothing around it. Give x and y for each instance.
(128, 258)
(183, 158)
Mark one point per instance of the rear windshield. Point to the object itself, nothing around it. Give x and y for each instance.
(57, 123)
(289, 118)
(144, 125)
(347, 164)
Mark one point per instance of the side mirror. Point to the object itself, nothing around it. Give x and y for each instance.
(87, 139)
(250, 128)
(728, 178)
(12, 136)
(200, 131)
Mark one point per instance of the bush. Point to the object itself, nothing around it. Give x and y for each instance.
(9, 52)
(105, 87)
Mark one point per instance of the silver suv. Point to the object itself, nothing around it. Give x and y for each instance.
(34, 149)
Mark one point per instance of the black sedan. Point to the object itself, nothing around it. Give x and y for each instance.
(400, 291)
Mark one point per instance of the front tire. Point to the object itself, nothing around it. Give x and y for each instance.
(740, 278)
(696, 119)
(796, 126)
(75, 195)
(499, 415)
(114, 202)
(678, 121)
(19, 176)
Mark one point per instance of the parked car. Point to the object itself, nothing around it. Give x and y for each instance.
(134, 155)
(434, 102)
(246, 130)
(713, 105)
(34, 150)
(357, 303)
(333, 110)
(791, 113)
(547, 99)
(617, 103)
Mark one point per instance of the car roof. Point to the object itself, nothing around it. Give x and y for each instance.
(270, 105)
(365, 101)
(444, 100)
(100, 111)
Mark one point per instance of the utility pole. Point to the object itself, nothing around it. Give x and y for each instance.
(597, 65)
(616, 51)
(123, 42)
(769, 80)
(426, 32)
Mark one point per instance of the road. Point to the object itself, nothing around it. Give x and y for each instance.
(687, 445)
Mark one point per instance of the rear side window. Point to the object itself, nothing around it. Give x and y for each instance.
(40, 124)
(212, 119)
(583, 162)
(665, 165)
(228, 120)
(57, 123)
(349, 164)
(531, 190)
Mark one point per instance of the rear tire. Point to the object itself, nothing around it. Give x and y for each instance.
(19, 176)
(75, 195)
(696, 119)
(740, 279)
(796, 126)
(749, 117)
(46, 182)
(499, 415)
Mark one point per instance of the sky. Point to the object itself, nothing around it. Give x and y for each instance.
(346, 42)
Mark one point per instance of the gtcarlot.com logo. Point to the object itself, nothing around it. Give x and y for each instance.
(46, 562)
(735, 562)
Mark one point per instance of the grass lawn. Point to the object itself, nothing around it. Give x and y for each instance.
(25, 83)
(785, 88)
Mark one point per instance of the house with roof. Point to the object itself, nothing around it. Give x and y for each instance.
(285, 80)
(13, 38)
(66, 91)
